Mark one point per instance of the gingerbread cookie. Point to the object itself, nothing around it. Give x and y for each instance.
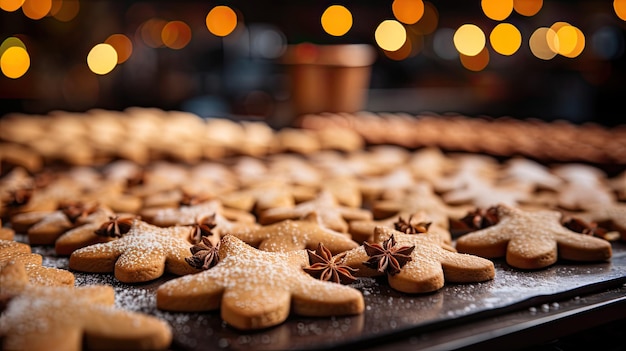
(68, 318)
(11, 251)
(98, 230)
(329, 212)
(256, 289)
(6, 233)
(143, 254)
(290, 235)
(416, 263)
(532, 240)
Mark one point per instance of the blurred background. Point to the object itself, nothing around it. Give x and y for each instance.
(272, 60)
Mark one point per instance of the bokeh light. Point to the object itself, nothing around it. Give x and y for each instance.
(36, 9)
(469, 39)
(540, 43)
(571, 41)
(607, 43)
(336, 20)
(10, 42)
(620, 8)
(408, 11)
(443, 44)
(390, 35)
(505, 39)
(476, 62)
(14, 62)
(122, 45)
(150, 32)
(267, 42)
(64, 10)
(102, 58)
(11, 5)
(176, 34)
(429, 21)
(221, 21)
(527, 7)
(497, 10)
(402, 53)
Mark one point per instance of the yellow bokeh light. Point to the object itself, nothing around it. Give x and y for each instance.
(620, 9)
(336, 20)
(402, 53)
(176, 35)
(571, 41)
(497, 10)
(505, 39)
(541, 43)
(408, 11)
(122, 45)
(14, 62)
(102, 59)
(477, 62)
(221, 21)
(469, 39)
(527, 7)
(36, 9)
(10, 42)
(11, 5)
(390, 35)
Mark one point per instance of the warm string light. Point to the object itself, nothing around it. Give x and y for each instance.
(398, 38)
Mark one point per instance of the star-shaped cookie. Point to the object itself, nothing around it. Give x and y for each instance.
(67, 318)
(12, 251)
(255, 289)
(143, 254)
(419, 198)
(290, 235)
(613, 213)
(431, 264)
(330, 213)
(532, 240)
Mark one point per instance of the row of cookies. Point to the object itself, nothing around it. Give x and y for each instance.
(143, 135)
(559, 140)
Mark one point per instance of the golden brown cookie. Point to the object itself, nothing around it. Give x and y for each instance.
(611, 215)
(290, 235)
(416, 263)
(68, 318)
(329, 212)
(532, 240)
(6, 233)
(256, 289)
(97, 230)
(142, 254)
(11, 251)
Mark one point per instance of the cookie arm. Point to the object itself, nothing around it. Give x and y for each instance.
(190, 293)
(464, 268)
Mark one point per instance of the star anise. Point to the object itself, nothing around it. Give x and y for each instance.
(480, 218)
(201, 228)
(387, 257)
(18, 197)
(589, 228)
(205, 255)
(76, 210)
(323, 266)
(406, 227)
(116, 226)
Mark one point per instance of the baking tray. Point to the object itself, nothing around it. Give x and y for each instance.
(388, 314)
